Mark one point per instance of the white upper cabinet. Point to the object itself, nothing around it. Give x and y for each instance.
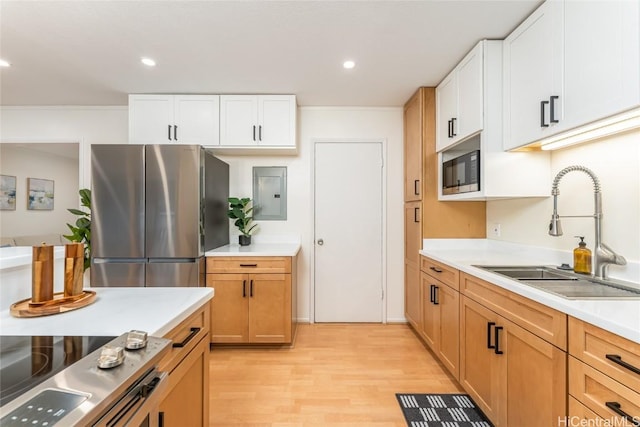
(568, 64)
(256, 121)
(174, 119)
(459, 99)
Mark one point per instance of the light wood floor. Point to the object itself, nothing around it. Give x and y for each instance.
(336, 375)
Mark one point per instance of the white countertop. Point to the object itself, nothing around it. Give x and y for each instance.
(114, 312)
(621, 317)
(257, 249)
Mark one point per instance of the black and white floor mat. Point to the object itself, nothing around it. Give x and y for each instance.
(441, 410)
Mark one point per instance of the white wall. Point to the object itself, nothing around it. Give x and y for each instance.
(23, 163)
(332, 123)
(616, 162)
(84, 125)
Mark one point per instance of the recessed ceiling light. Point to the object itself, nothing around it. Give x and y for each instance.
(348, 64)
(4, 63)
(148, 62)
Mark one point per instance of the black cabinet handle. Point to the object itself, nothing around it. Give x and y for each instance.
(542, 122)
(160, 419)
(416, 190)
(431, 293)
(254, 132)
(260, 133)
(194, 332)
(435, 295)
(415, 215)
(453, 127)
(437, 270)
(552, 111)
(497, 332)
(617, 359)
(251, 289)
(175, 132)
(169, 132)
(248, 265)
(617, 408)
(449, 128)
(244, 289)
(489, 326)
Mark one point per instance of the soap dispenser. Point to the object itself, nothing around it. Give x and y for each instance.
(582, 257)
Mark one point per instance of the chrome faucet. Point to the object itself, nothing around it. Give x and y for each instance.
(603, 255)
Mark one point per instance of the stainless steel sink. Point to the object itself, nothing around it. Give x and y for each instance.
(566, 284)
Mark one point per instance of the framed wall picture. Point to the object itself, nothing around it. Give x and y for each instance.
(40, 194)
(7, 193)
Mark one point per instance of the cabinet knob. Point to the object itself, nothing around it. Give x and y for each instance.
(320, 242)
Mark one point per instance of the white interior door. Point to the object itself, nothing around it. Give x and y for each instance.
(348, 232)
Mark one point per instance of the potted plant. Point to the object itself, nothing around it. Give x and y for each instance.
(240, 210)
(81, 232)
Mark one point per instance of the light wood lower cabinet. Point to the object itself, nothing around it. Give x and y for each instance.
(412, 296)
(256, 308)
(186, 400)
(440, 316)
(515, 377)
(604, 374)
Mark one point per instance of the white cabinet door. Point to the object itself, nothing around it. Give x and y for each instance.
(446, 110)
(602, 75)
(532, 74)
(276, 120)
(150, 119)
(197, 119)
(238, 120)
(470, 82)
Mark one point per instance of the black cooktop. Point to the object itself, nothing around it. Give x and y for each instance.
(26, 361)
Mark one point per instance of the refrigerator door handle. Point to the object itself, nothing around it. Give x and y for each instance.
(173, 260)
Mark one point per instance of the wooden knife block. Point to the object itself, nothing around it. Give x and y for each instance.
(73, 269)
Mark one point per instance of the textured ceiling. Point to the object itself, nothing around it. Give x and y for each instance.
(88, 52)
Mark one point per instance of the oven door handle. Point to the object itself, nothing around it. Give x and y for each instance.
(141, 403)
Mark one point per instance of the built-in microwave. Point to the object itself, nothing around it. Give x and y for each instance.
(461, 174)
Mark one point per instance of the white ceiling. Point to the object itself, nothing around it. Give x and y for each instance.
(88, 52)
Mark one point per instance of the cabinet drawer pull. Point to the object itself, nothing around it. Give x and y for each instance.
(251, 289)
(617, 408)
(416, 190)
(489, 326)
(542, 122)
(431, 293)
(260, 133)
(175, 132)
(194, 332)
(248, 265)
(552, 111)
(254, 132)
(161, 419)
(244, 289)
(448, 128)
(169, 132)
(617, 359)
(497, 340)
(415, 214)
(437, 270)
(453, 127)
(435, 295)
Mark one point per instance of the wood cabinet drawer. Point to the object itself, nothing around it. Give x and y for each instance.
(442, 272)
(579, 412)
(611, 354)
(600, 393)
(248, 264)
(545, 322)
(185, 337)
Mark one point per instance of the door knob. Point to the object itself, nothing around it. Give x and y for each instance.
(320, 242)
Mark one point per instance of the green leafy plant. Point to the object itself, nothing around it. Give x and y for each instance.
(81, 232)
(240, 210)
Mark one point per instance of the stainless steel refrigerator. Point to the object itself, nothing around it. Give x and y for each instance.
(155, 210)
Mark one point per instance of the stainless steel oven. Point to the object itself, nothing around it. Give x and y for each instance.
(117, 384)
(461, 174)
